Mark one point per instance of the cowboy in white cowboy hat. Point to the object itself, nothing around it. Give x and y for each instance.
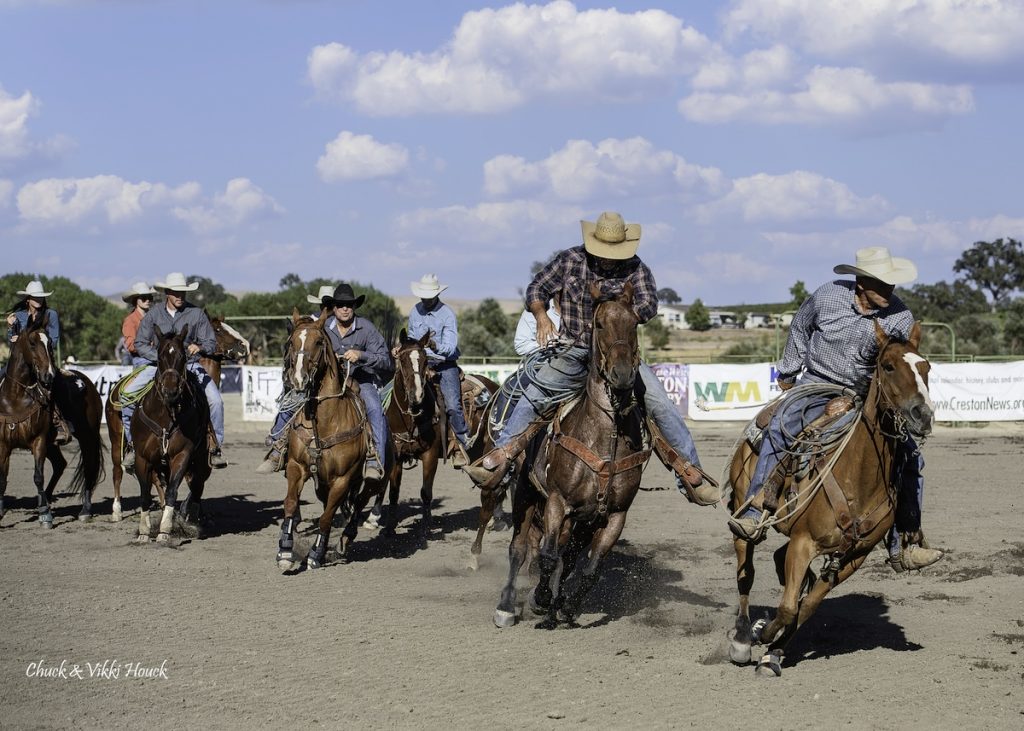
(172, 317)
(606, 260)
(431, 315)
(323, 298)
(140, 299)
(832, 340)
(33, 304)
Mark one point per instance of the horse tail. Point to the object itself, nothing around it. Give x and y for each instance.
(90, 469)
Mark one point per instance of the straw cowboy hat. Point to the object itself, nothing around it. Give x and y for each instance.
(428, 287)
(34, 289)
(876, 262)
(611, 237)
(344, 296)
(176, 282)
(139, 289)
(325, 291)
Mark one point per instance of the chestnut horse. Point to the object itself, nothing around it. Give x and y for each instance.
(589, 468)
(327, 440)
(169, 432)
(230, 346)
(840, 517)
(413, 415)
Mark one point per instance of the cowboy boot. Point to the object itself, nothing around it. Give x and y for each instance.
(275, 458)
(217, 460)
(62, 428)
(459, 455)
(914, 554)
(490, 470)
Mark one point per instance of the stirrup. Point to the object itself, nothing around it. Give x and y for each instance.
(754, 530)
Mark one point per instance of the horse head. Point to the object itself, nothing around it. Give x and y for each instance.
(37, 350)
(309, 347)
(172, 357)
(616, 350)
(901, 373)
(411, 368)
(230, 343)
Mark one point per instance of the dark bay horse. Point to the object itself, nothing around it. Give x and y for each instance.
(841, 518)
(230, 346)
(82, 408)
(413, 420)
(26, 408)
(584, 475)
(169, 431)
(327, 441)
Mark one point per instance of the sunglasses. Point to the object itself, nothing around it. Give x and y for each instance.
(145, 298)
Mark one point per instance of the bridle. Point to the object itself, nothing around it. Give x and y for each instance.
(619, 404)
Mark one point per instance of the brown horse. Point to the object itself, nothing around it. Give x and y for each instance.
(169, 432)
(327, 440)
(26, 408)
(589, 468)
(840, 517)
(230, 346)
(413, 416)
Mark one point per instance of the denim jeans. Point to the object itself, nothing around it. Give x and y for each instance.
(451, 388)
(568, 371)
(213, 397)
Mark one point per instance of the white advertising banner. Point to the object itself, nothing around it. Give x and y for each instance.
(261, 385)
(728, 392)
(977, 391)
(104, 377)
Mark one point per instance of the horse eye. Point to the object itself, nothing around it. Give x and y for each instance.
(888, 367)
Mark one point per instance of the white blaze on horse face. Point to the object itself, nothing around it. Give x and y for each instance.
(414, 356)
(912, 359)
(46, 343)
(300, 377)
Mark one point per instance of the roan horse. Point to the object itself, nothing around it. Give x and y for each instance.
(27, 395)
(589, 467)
(230, 346)
(841, 518)
(327, 441)
(169, 432)
(413, 415)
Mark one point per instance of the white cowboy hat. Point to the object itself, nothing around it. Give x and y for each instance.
(34, 289)
(428, 287)
(176, 281)
(610, 237)
(324, 291)
(139, 289)
(876, 262)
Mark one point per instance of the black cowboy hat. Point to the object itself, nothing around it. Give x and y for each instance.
(343, 295)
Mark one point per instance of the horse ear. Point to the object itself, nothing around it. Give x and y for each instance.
(296, 316)
(595, 293)
(184, 332)
(403, 336)
(425, 339)
(880, 335)
(915, 335)
(626, 297)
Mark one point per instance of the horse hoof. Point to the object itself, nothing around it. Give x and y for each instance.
(504, 619)
(141, 539)
(739, 652)
(164, 538)
(770, 665)
(371, 522)
(535, 606)
(85, 518)
(473, 563)
(46, 524)
(286, 561)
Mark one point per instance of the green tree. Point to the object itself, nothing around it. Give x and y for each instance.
(486, 331)
(90, 325)
(996, 267)
(943, 302)
(977, 335)
(656, 333)
(1013, 327)
(698, 317)
(668, 296)
(210, 294)
(799, 293)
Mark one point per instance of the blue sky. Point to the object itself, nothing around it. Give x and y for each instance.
(758, 142)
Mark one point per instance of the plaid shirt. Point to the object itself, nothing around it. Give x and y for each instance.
(569, 275)
(833, 339)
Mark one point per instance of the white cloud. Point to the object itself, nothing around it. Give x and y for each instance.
(64, 201)
(360, 157)
(497, 59)
(512, 223)
(793, 197)
(14, 114)
(972, 32)
(582, 171)
(241, 202)
(6, 188)
(847, 96)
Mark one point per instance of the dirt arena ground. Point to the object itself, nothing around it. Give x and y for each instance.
(401, 636)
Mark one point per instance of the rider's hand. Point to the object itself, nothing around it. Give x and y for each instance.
(352, 356)
(193, 348)
(11, 319)
(14, 339)
(545, 330)
(785, 385)
(395, 350)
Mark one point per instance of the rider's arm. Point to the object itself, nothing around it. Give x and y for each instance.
(53, 327)
(797, 343)
(645, 293)
(203, 334)
(447, 341)
(144, 338)
(375, 353)
(526, 333)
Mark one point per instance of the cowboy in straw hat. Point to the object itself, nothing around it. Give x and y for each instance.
(33, 304)
(832, 340)
(432, 316)
(140, 298)
(356, 341)
(606, 260)
(172, 317)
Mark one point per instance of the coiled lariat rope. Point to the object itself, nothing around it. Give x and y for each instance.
(121, 398)
(831, 440)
